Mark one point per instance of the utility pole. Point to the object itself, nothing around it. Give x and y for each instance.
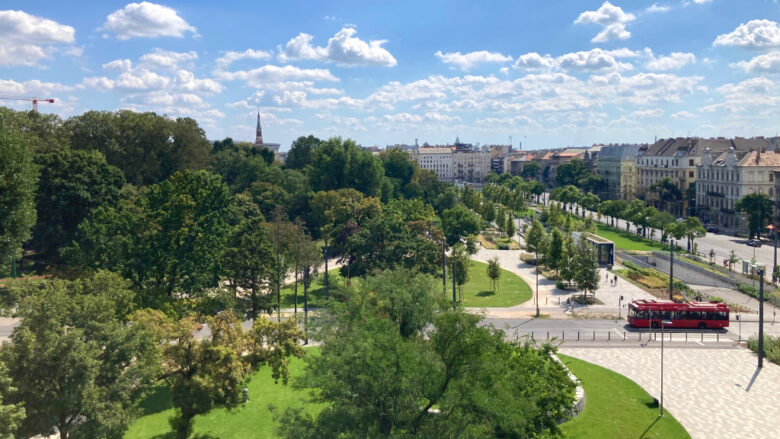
(761, 317)
(452, 274)
(537, 283)
(671, 269)
(325, 255)
(443, 267)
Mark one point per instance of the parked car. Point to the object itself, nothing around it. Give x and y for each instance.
(712, 229)
(754, 243)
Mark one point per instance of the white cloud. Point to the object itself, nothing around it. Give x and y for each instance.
(683, 115)
(534, 61)
(655, 7)
(466, 61)
(615, 31)
(766, 63)
(31, 88)
(230, 56)
(701, 2)
(751, 94)
(755, 34)
(146, 20)
(613, 20)
(402, 118)
(343, 49)
(164, 59)
(141, 80)
(673, 61)
(271, 73)
(27, 39)
(122, 65)
(655, 113)
(185, 80)
(592, 60)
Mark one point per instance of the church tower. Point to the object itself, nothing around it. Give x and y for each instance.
(259, 135)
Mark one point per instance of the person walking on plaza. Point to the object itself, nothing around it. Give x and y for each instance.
(615, 280)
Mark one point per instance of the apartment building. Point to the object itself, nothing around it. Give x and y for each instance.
(724, 179)
(617, 165)
(470, 164)
(677, 160)
(438, 160)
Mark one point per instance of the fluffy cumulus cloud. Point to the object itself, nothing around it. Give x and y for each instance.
(467, 61)
(146, 20)
(594, 60)
(230, 56)
(654, 113)
(33, 87)
(164, 59)
(344, 49)
(270, 73)
(751, 94)
(584, 61)
(655, 7)
(766, 63)
(755, 34)
(683, 115)
(612, 19)
(27, 39)
(673, 61)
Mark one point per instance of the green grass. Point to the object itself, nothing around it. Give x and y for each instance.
(512, 290)
(251, 421)
(616, 407)
(627, 241)
(316, 290)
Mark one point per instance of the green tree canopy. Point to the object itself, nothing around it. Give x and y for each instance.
(337, 164)
(72, 184)
(759, 209)
(530, 170)
(18, 176)
(394, 351)
(299, 155)
(458, 223)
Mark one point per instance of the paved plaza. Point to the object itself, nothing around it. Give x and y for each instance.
(714, 393)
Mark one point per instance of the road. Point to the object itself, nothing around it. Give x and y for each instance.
(721, 243)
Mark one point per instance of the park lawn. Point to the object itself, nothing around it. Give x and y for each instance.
(251, 421)
(316, 290)
(627, 241)
(512, 290)
(616, 407)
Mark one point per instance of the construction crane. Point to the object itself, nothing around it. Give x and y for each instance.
(34, 100)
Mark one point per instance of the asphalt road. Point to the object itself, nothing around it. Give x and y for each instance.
(721, 243)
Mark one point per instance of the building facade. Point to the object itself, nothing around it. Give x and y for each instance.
(618, 167)
(471, 165)
(725, 179)
(438, 160)
(677, 159)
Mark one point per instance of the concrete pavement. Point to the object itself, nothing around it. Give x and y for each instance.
(714, 393)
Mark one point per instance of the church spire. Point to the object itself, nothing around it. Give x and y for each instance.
(259, 136)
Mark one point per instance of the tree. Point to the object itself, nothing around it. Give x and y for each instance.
(399, 168)
(249, 261)
(338, 164)
(459, 260)
(535, 238)
(570, 173)
(568, 270)
(667, 191)
(590, 201)
(510, 227)
(613, 209)
(203, 371)
(458, 223)
(759, 209)
(72, 184)
(733, 259)
(299, 155)
(552, 257)
(536, 188)
(586, 274)
(78, 366)
(693, 229)
(18, 176)
(11, 415)
(530, 170)
(394, 350)
(169, 238)
(659, 220)
(493, 272)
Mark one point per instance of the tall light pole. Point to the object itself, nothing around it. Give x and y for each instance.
(760, 317)
(671, 269)
(443, 267)
(663, 322)
(537, 283)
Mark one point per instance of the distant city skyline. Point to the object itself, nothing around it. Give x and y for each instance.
(568, 73)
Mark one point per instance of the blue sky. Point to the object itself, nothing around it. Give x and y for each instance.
(553, 73)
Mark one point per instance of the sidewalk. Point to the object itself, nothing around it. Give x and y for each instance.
(714, 393)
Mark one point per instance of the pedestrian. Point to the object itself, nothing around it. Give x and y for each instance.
(606, 277)
(616, 280)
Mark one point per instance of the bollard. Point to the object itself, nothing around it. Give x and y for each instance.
(686, 337)
(609, 336)
(640, 336)
(563, 335)
(624, 335)
(532, 335)
(594, 335)
(578, 335)
(718, 338)
(545, 300)
(702, 335)
(548, 335)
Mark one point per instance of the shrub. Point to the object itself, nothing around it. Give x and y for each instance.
(502, 246)
(549, 274)
(771, 347)
(528, 258)
(750, 290)
(561, 285)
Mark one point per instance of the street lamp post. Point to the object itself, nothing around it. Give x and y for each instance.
(760, 317)
(671, 269)
(443, 267)
(537, 283)
(663, 322)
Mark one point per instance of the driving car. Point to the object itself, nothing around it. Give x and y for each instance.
(754, 243)
(711, 228)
